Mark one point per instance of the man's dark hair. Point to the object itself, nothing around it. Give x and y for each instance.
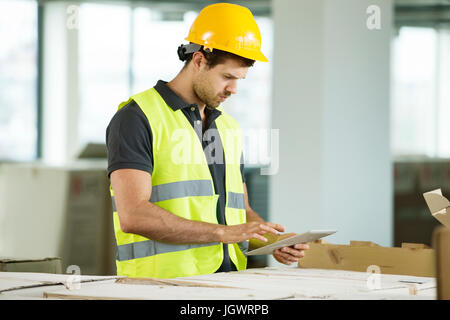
(218, 56)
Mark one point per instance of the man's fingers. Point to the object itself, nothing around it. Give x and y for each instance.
(293, 252)
(257, 230)
(259, 237)
(278, 255)
(276, 226)
(301, 246)
(288, 255)
(272, 227)
(284, 257)
(265, 228)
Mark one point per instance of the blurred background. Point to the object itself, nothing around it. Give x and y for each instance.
(345, 127)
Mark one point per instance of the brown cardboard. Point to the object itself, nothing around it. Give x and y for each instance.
(441, 242)
(413, 260)
(439, 206)
(46, 265)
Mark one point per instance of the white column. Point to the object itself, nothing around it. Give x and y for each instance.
(60, 83)
(331, 104)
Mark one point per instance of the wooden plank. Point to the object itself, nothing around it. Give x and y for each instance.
(409, 260)
(37, 293)
(19, 280)
(115, 291)
(441, 241)
(167, 282)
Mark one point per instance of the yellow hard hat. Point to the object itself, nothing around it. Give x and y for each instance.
(228, 27)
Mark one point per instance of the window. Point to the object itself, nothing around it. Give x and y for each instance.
(104, 51)
(420, 97)
(18, 80)
(155, 46)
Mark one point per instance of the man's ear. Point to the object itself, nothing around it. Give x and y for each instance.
(198, 60)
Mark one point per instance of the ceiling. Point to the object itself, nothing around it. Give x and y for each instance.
(407, 12)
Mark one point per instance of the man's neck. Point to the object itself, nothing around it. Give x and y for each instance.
(182, 86)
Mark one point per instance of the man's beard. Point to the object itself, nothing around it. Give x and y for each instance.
(201, 90)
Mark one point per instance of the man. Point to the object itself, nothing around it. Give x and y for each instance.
(175, 161)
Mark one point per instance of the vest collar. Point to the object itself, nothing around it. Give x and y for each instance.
(175, 102)
(170, 97)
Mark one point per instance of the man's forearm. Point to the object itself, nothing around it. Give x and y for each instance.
(154, 222)
(253, 216)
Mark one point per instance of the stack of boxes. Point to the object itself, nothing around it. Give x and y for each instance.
(58, 211)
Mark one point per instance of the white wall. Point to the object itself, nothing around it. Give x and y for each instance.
(331, 104)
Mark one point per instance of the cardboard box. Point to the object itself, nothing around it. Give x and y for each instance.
(46, 265)
(58, 211)
(410, 259)
(439, 206)
(441, 242)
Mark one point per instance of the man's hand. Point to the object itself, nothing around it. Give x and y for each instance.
(247, 231)
(287, 255)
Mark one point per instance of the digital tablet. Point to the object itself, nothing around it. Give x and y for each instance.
(300, 238)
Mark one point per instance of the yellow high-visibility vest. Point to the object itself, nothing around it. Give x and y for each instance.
(182, 184)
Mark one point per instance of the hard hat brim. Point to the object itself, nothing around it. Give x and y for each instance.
(249, 54)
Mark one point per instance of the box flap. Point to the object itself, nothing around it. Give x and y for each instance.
(22, 260)
(439, 206)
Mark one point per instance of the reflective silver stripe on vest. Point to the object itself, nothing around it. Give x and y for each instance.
(236, 200)
(113, 201)
(181, 189)
(150, 248)
(243, 246)
(190, 188)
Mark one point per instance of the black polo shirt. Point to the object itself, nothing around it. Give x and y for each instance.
(129, 145)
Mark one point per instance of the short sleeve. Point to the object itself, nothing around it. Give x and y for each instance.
(242, 167)
(129, 140)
